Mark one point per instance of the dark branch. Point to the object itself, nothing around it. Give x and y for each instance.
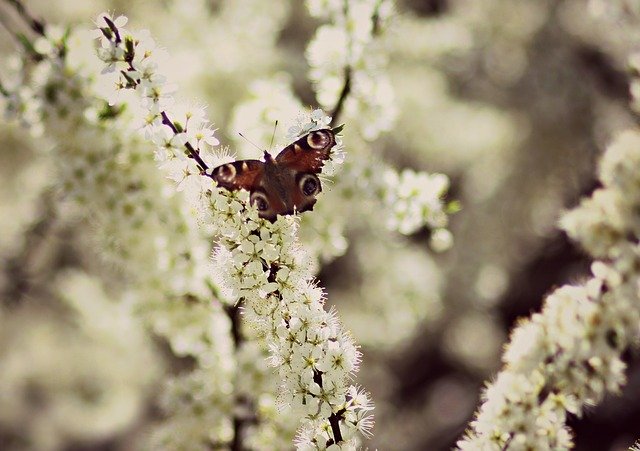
(346, 89)
(334, 421)
(36, 25)
(233, 312)
(193, 153)
(18, 267)
(240, 422)
(348, 70)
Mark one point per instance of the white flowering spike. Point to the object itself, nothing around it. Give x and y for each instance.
(106, 175)
(261, 263)
(346, 52)
(569, 355)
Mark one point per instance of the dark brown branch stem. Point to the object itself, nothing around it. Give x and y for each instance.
(18, 268)
(192, 152)
(334, 421)
(346, 89)
(240, 422)
(348, 70)
(36, 25)
(334, 418)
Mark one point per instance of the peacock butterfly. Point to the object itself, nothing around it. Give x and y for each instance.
(285, 184)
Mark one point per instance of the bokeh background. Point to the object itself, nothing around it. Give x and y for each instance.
(514, 100)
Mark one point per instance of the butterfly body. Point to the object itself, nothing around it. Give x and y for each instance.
(285, 184)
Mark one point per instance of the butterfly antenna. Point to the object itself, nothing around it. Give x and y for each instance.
(273, 135)
(252, 143)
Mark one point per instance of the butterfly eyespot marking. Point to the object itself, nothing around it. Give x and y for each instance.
(309, 184)
(227, 172)
(318, 139)
(260, 201)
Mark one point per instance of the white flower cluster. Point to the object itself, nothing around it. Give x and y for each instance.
(569, 355)
(415, 200)
(142, 226)
(75, 377)
(256, 260)
(606, 223)
(263, 264)
(345, 52)
(407, 200)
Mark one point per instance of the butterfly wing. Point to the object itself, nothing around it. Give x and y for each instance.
(242, 174)
(251, 175)
(302, 160)
(308, 153)
(285, 184)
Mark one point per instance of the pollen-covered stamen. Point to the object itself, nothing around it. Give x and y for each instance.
(319, 139)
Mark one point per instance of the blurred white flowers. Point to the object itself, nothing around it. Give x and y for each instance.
(155, 241)
(569, 355)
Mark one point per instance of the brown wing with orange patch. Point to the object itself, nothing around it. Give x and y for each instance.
(308, 153)
(243, 174)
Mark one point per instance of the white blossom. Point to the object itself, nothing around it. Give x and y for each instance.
(347, 48)
(569, 355)
(257, 260)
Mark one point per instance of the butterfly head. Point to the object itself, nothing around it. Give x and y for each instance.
(268, 158)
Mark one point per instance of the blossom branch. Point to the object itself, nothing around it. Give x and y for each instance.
(347, 70)
(262, 264)
(568, 355)
(192, 152)
(143, 229)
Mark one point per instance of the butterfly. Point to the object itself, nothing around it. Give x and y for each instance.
(285, 184)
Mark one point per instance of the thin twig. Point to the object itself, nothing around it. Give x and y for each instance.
(192, 152)
(334, 421)
(22, 41)
(17, 268)
(4, 91)
(346, 90)
(5, 24)
(36, 25)
(348, 70)
(240, 422)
